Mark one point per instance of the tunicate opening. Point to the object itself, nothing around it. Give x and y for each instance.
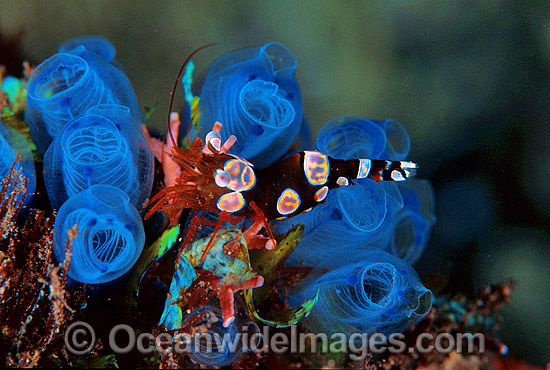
(284, 62)
(378, 281)
(56, 76)
(350, 137)
(261, 103)
(399, 142)
(424, 303)
(364, 205)
(108, 246)
(104, 248)
(208, 353)
(91, 140)
(93, 151)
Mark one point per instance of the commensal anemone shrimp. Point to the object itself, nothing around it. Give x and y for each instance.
(207, 177)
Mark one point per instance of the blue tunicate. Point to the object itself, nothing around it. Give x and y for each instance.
(11, 144)
(110, 234)
(66, 85)
(250, 89)
(414, 221)
(398, 143)
(337, 231)
(99, 45)
(350, 137)
(218, 346)
(379, 294)
(101, 146)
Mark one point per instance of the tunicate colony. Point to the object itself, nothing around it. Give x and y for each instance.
(361, 242)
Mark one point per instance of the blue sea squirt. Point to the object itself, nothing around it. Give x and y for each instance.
(379, 294)
(66, 85)
(109, 237)
(101, 146)
(254, 93)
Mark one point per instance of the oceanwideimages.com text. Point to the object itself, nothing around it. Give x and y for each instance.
(80, 339)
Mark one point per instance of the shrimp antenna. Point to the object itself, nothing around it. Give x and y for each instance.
(176, 85)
